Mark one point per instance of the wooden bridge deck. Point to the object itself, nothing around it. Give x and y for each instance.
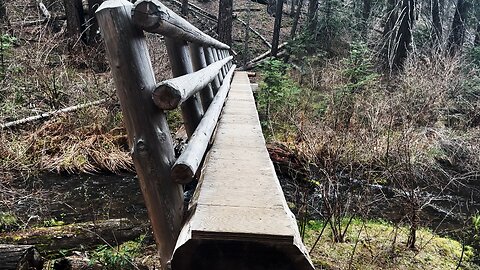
(239, 215)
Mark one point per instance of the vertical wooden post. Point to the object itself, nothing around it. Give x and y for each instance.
(219, 57)
(181, 64)
(148, 134)
(199, 62)
(216, 58)
(210, 59)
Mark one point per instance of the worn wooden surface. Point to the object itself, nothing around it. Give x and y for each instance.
(239, 201)
(171, 93)
(187, 164)
(148, 133)
(209, 57)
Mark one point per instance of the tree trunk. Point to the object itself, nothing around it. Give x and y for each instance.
(312, 17)
(403, 37)
(477, 35)
(19, 257)
(185, 8)
(437, 24)
(296, 19)
(293, 3)
(276, 29)
(457, 36)
(366, 9)
(391, 19)
(225, 21)
(93, 37)
(247, 36)
(3, 13)
(75, 19)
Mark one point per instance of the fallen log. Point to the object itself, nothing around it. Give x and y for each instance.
(255, 32)
(52, 240)
(50, 114)
(19, 257)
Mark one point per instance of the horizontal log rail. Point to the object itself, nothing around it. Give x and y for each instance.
(152, 16)
(169, 94)
(187, 164)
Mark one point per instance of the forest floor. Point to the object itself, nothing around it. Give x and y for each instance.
(336, 119)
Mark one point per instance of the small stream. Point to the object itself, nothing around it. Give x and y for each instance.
(79, 198)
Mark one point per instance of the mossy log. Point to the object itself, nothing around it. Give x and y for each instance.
(19, 257)
(79, 236)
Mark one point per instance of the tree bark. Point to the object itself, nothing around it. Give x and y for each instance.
(75, 19)
(93, 38)
(185, 8)
(403, 37)
(296, 19)
(477, 35)
(225, 21)
(276, 29)
(437, 24)
(3, 13)
(312, 17)
(19, 257)
(293, 3)
(457, 36)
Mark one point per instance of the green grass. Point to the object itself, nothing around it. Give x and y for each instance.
(379, 245)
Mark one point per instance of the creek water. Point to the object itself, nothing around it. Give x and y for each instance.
(84, 197)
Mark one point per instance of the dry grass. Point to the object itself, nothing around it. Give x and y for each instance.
(82, 142)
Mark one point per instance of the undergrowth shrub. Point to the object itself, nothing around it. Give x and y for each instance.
(120, 257)
(277, 99)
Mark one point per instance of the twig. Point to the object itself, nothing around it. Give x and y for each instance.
(50, 114)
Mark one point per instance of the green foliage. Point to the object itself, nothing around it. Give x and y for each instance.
(358, 74)
(359, 70)
(8, 221)
(52, 222)
(277, 97)
(121, 257)
(6, 43)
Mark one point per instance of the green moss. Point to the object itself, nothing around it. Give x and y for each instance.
(379, 245)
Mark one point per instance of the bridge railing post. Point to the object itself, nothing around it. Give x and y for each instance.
(149, 137)
(181, 64)
(199, 62)
(210, 60)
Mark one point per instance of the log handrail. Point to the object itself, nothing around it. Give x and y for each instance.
(169, 94)
(152, 16)
(202, 69)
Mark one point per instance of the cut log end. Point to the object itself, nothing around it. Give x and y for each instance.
(111, 4)
(166, 97)
(145, 15)
(182, 174)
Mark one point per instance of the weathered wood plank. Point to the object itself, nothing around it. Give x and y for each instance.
(148, 134)
(153, 16)
(239, 203)
(187, 164)
(171, 93)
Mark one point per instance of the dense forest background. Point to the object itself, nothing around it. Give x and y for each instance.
(370, 109)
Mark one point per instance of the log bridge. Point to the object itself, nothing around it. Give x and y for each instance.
(238, 217)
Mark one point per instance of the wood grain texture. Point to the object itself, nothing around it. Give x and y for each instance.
(171, 93)
(148, 134)
(152, 16)
(239, 202)
(199, 62)
(187, 164)
(19, 257)
(209, 57)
